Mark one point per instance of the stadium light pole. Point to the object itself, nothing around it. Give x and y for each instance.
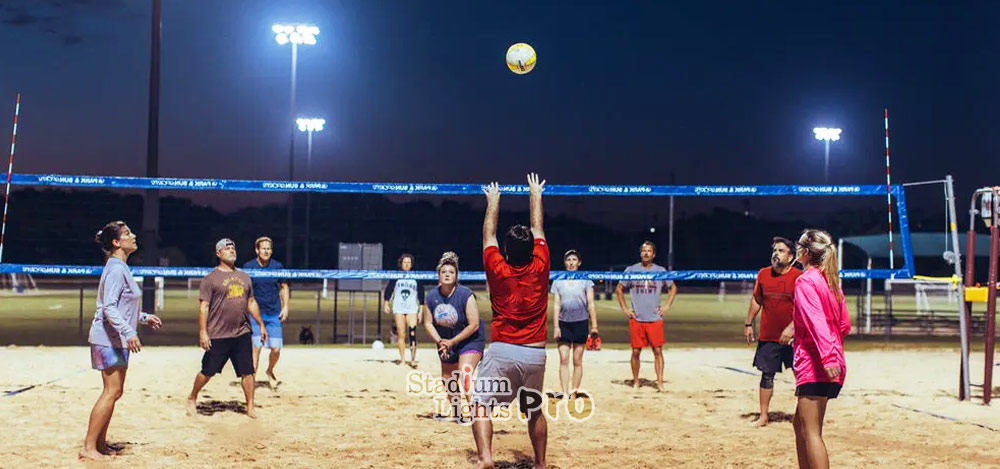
(293, 34)
(309, 125)
(151, 202)
(827, 135)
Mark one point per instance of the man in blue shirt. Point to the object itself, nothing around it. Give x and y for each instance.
(272, 296)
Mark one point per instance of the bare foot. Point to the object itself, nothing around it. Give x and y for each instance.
(761, 422)
(192, 406)
(94, 454)
(480, 464)
(251, 412)
(659, 387)
(270, 376)
(635, 384)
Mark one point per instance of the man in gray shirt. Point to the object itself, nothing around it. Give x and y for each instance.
(645, 313)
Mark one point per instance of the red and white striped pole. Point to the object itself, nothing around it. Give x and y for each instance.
(10, 169)
(888, 191)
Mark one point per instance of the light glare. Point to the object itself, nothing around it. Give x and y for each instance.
(828, 134)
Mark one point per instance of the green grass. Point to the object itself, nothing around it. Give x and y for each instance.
(696, 319)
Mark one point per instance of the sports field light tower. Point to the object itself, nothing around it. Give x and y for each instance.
(309, 125)
(827, 135)
(293, 34)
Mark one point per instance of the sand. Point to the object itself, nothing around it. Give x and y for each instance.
(339, 407)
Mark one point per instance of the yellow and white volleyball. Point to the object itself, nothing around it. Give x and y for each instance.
(521, 58)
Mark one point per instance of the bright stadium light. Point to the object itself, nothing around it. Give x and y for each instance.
(310, 125)
(295, 33)
(823, 133)
(826, 135)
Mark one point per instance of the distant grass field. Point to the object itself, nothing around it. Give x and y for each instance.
(52, 317)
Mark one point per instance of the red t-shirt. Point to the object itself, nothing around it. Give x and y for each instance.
(775, 294)
(519, 295)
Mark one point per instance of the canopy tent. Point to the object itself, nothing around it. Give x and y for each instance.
(924, 244)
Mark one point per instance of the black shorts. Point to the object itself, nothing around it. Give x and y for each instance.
(238, 350)
(574, 332)
(771, 356)
(825, 389)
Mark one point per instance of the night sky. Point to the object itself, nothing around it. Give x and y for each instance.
(418, 91)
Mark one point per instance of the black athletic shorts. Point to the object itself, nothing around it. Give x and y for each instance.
(771, 356)
(826, 389)
(574, 332)
(238, 350)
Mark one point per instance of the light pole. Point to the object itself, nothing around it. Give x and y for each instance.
(293, 34)
(827, 135)
(309, 125)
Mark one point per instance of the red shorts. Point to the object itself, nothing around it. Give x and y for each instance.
(646, 334)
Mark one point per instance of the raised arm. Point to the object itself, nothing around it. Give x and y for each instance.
(492, 213)
(535, 201)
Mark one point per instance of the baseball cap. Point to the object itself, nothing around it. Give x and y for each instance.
(222, 243)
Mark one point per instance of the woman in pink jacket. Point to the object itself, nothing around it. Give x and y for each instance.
(821, 322)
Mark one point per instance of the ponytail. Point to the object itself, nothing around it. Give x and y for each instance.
(829, 268)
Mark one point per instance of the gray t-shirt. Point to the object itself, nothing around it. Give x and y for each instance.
(572, 299)
(645, 294)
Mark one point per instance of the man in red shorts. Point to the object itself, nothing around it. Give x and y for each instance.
(645, 313)
(773, 292)
(518, 280)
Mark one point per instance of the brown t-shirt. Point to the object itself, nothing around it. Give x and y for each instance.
(227, 294)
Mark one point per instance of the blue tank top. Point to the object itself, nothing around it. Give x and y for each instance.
(442, 307)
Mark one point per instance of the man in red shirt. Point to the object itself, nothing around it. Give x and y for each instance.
(773, 292)
(514, 364)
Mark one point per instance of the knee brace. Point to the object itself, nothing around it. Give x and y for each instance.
(413, 336)
(767, 380)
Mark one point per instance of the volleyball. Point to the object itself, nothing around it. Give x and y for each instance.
(445, 315)
(378, 345)
(521, 58)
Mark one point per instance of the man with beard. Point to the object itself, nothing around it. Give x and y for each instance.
(773, 292)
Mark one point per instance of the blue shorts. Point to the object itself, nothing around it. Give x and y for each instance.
(470, 345)
(103, 357)
(273, 325)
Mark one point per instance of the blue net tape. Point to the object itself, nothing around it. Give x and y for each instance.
(116, 182)
(95, 271)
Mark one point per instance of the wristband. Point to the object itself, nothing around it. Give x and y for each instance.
(748, 325)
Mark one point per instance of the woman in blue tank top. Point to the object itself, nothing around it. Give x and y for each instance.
(456, 328)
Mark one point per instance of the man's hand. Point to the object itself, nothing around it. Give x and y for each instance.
(263, 334)
(661, 310)
(748, 333)
(204, 341)
(153, 321)
(492, 192)
(283, 315)
(787, 335)
(629, 313)
(133, 344)
(535, 187)
(832, 372)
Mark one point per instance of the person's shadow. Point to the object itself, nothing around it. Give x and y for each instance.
(772, 417)
(213, 407)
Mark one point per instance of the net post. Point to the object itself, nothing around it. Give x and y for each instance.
(80, 327)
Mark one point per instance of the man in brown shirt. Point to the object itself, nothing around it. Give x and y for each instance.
(225, 298)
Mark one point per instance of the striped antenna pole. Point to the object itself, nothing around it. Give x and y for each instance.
(888, 190)
(10, 169)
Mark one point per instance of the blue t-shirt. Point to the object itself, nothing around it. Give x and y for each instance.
(266, 290)
(440, 305)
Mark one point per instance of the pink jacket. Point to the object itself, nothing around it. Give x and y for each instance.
(821, 322)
